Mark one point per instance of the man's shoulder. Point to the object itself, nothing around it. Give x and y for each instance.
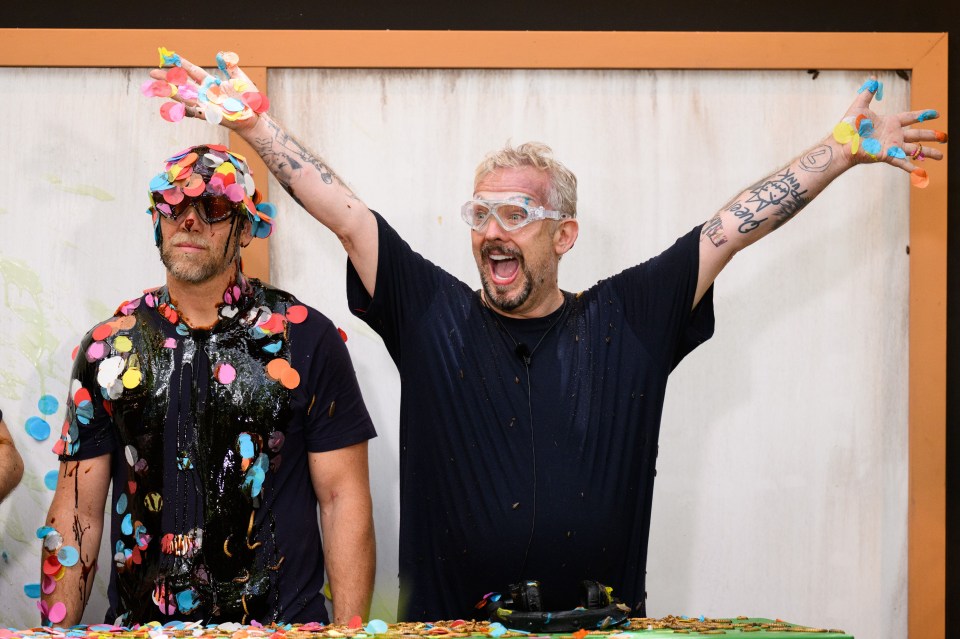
(290, 306)
(124, 318)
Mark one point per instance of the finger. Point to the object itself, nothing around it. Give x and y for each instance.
(197, 74)
(912, 117)
(906, 165)
(865, 93)
(924, 135)
(917, 152)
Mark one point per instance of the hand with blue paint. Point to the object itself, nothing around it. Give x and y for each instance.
(871, 137)
(862, 136)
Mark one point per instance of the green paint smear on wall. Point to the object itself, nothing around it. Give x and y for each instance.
(80, 189)
(37, 343)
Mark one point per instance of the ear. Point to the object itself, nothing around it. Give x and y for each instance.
(245, 234)
(565, 235)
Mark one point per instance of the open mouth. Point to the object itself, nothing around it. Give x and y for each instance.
(503, 269)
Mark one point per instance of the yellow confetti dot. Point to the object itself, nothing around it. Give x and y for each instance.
(132, 378)
(123, 344)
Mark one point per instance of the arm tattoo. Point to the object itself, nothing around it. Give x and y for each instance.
(713, 230)
(285, 157)
(817, 160)
(781, 191)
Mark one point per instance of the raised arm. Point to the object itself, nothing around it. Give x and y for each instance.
(306, 177)
(342, 484)
(75, 520)
(861, 137)
(11, 465)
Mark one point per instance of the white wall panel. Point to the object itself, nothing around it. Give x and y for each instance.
(782, 486)
(80, 147)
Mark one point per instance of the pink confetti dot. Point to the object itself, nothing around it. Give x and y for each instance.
(170, 342)
(226, 373)
(57, 612)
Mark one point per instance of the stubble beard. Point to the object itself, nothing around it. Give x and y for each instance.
(199, 267)
(497, 296)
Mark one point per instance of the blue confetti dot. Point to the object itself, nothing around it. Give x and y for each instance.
(32, 590)
(38, 428)
(122, 504)
(68, 556)
(376, 627)
(50, 479)
(48, 405)
(126, 526)
(927, 115)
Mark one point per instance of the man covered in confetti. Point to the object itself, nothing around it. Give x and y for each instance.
(221, 411)
(529, 415)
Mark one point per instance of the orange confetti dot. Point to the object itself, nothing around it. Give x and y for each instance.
(82, 395)
(76, 349)
(102, 332)
(919, 178)
(355, 622)
(124, 323)
(941, 136)
(343, 334)
(580, 634)
(132, 487)
(276, 368)
(290, 378)
(274, 325)
(297, 314)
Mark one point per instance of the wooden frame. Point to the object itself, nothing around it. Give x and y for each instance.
(923, 54)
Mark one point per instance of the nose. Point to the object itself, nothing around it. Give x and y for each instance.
(493, 230)
(190, 217)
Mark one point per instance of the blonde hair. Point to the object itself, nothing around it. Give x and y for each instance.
(562, 192)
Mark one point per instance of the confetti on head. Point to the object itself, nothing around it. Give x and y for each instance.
(209, 170)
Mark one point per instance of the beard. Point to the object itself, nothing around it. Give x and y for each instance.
(196, 268)
(498, 296)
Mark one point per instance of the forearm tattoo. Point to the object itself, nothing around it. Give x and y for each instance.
(817, 160)
(286, 157)
(713, 230)
(781, 191)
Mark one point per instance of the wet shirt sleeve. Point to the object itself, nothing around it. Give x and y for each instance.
(336, 414)
(88, 430)
(658, 298)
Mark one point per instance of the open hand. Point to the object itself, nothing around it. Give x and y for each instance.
(232, 101)
(888, 138)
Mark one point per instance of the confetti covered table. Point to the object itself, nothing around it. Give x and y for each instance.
(667, 627)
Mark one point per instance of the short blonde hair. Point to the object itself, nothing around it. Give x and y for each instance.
(562, 193)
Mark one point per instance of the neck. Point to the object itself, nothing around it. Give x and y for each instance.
(199, 303)
(541, 308)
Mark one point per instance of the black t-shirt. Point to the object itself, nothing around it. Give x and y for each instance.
(485, 504)
(213, 513)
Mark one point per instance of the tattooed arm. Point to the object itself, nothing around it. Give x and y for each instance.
(11, 465)
(306, 177)
(76, 514)
(774, 200)
(314, 185)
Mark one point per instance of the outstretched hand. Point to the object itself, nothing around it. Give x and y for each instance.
(871, 137)
(232, 101)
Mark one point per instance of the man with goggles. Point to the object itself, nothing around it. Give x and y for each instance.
(195, 402)
(529, 416)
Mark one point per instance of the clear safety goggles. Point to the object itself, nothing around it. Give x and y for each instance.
(511, 215)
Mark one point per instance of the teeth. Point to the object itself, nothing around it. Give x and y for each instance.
(500, 258)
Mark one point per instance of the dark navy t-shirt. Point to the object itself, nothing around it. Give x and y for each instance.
(490, 496)
(214, 515)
